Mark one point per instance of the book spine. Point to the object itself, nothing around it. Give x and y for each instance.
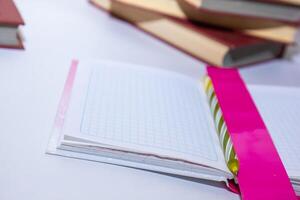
(221, 128)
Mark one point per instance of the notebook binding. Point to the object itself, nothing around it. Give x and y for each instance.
(221, 128)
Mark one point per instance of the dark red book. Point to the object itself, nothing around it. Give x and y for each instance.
(10, 20)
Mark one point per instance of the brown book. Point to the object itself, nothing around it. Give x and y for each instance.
(275, 31)
(214, 46)
(10, 20)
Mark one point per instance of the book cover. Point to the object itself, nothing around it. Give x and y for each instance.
(9, 14)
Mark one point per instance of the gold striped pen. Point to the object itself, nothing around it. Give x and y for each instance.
(221, 128)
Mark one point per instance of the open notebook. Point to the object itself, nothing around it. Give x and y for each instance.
(161, 121)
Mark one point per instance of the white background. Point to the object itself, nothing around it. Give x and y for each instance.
(31, 82)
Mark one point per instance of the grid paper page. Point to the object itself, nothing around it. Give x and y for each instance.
(149, 108)
(280, 111)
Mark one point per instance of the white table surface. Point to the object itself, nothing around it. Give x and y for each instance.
(31, 82)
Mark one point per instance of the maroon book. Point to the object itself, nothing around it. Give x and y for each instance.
(9, 14)
(10, 20)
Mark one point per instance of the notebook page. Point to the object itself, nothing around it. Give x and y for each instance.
(144, 110)
(280, 110)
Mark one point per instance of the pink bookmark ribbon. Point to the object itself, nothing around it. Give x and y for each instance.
(261, 175)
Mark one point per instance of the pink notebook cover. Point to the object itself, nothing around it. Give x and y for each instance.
(65, 99)
(261, 175)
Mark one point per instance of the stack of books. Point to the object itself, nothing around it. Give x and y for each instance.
(228, 33)
(10, 20)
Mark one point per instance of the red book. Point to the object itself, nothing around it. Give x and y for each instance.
(10, 20)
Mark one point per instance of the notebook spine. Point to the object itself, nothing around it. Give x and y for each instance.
(221, 128)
